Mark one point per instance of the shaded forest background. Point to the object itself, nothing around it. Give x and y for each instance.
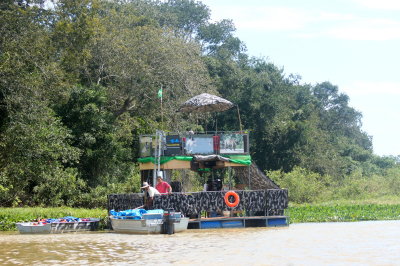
(79, 83)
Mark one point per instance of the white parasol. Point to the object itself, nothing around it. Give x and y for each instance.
(205, 103)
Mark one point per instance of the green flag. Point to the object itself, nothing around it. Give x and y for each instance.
(159, 94)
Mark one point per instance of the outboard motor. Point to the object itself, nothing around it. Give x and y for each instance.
(168, 225)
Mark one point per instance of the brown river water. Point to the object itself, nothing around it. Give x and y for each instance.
(358, 243)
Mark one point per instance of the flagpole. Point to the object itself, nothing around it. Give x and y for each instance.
(162, 114)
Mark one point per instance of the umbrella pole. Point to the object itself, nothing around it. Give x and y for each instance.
(240, 122)
(205, 122)
(216, 123)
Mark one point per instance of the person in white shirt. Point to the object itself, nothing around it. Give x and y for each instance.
(150, 192)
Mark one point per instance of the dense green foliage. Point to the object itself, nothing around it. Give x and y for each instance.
(79, 82)
(307, 187)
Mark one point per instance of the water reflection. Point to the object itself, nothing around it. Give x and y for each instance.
(361, 243)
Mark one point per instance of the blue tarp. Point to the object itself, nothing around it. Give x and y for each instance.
(69, 219)
(135, 214)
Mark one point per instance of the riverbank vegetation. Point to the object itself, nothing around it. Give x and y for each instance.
(309, 187)
(345, 211)
(79, 83)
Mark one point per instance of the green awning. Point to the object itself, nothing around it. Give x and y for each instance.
(164, 159)
(239, 159)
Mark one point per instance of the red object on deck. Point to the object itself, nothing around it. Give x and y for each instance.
(216, 145)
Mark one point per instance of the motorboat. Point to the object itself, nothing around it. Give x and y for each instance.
(61, 225)
(148, 222)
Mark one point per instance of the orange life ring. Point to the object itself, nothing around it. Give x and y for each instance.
(235, 195)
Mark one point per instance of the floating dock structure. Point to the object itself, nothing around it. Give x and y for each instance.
(256, 202)
(256, 208)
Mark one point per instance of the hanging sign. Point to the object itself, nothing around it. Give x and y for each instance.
(173, 145)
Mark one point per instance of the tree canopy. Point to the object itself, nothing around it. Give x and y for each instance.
(79, 82)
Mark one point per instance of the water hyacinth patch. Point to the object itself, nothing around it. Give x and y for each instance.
(343, 213)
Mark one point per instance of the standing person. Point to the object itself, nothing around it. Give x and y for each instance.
(162, 186)
(150, 192)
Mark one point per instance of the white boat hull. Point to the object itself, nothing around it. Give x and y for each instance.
(145, 226)
(29, 228)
